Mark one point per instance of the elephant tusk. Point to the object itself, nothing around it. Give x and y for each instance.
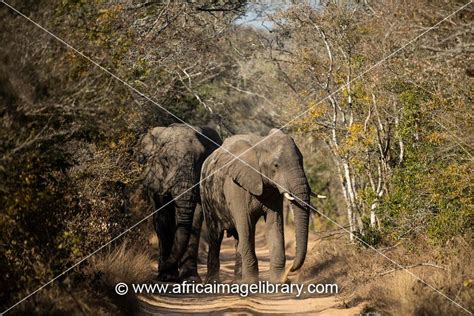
(318, 196)
(288, 196)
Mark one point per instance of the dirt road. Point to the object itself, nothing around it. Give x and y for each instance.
(229, 304)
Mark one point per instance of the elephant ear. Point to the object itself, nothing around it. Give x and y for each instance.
(245, 174)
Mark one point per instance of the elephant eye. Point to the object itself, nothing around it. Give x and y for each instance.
(276, 165)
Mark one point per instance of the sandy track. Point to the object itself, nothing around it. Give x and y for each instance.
(229, 304)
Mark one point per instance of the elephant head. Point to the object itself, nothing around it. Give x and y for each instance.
(276, 165)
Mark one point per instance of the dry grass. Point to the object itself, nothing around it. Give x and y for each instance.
(405, 294)
(92, 290)
(365, 276)
(128, 264)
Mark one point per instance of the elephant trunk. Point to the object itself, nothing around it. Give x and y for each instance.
(184, 221)
(300, 190)
(184, 205)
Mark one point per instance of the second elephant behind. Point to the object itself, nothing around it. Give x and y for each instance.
(236, 194)
(174, 156)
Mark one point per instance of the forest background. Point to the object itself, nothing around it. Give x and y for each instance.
(378, 94)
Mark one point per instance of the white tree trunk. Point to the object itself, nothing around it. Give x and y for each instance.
(346, 186)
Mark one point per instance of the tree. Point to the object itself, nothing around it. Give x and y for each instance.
(367, 116)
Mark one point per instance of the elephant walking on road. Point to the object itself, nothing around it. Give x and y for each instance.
(174, 156)
(235, 195)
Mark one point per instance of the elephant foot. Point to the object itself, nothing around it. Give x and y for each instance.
(279, 278)
(249, 280)
(168, 276)
(168, 271)
(240, 281)
(191, 277)
(213, 279)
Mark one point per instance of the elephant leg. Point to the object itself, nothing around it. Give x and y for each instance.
(184, 212)
(165, 231)
(246, 249)
(276, 244)
(188, 265)
(238, 261)
(213, 260)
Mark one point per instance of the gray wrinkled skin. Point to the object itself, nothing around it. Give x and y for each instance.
(235, 197)
(174, 156)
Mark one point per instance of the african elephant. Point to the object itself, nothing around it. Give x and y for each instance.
(174, 156)
(235, 195)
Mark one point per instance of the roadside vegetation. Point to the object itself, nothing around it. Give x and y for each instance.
(390, 146)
